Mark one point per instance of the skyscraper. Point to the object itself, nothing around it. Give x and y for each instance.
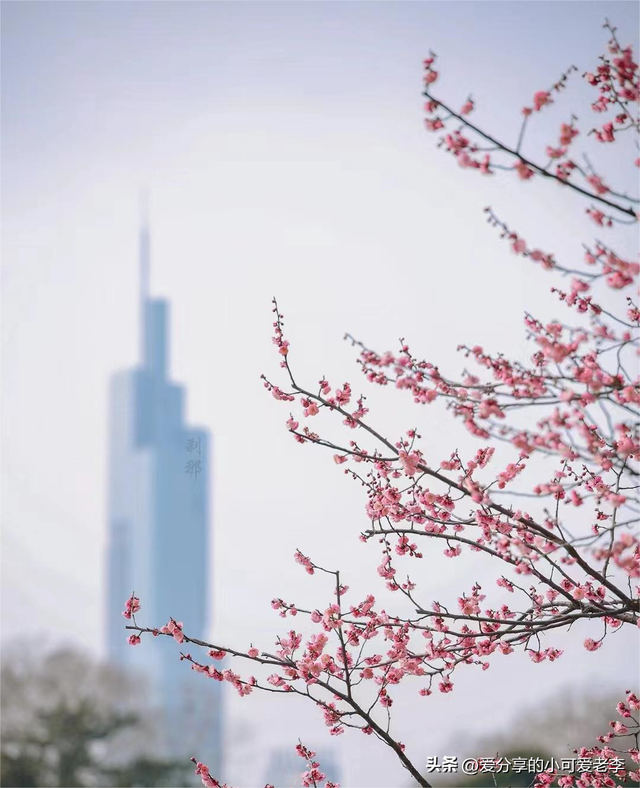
(158, 532)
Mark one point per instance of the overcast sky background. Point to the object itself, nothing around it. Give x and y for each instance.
(284, 149)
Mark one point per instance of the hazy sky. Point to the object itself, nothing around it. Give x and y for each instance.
(285, 154)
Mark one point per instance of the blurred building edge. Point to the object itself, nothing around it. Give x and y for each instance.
(285, 766)
(158, 534)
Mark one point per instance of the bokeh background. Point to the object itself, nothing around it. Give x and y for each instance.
(283, 148)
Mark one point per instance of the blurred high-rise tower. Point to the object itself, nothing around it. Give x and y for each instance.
(158, 532)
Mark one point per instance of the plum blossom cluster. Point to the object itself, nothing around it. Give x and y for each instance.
(311, 777)
(622, 738)
(616, 80)
(549, 497)
(131, 607)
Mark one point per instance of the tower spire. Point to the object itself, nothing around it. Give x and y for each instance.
(144, 263)
(145, 250)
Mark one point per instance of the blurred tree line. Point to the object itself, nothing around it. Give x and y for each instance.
(69, 721)
(548, 730)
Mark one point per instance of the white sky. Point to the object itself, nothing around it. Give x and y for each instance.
(284, 150)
